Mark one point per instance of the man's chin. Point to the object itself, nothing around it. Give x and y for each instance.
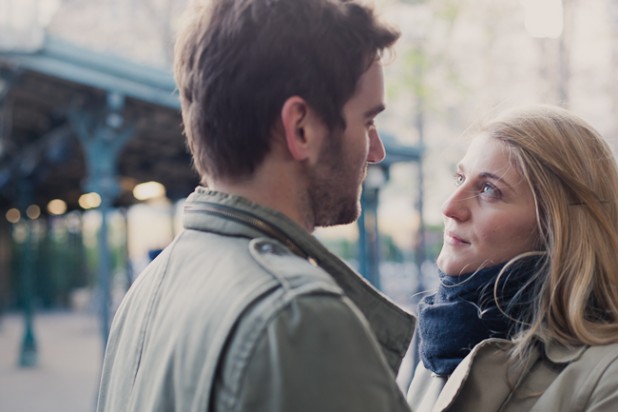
(345, 216)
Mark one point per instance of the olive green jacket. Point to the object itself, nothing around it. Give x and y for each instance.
(245, 311)
(554, 378)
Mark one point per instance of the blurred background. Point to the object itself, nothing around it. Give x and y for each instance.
(94, 170)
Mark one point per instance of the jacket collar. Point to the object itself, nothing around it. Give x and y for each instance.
(236, 216)
(487, 366)
(560, 354)
(218, 212)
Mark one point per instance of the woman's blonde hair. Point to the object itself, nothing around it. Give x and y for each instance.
(574, 180)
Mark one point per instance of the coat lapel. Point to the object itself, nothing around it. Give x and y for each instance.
(488, 385)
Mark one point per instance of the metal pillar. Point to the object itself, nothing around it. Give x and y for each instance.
(420, 252)
(127, 264)
(26, 170)
(613, 16)
(369, 238)
(28, 354)
(362, 241)
(104, 269)
(564, 51)
(102, 135)
(421, 247)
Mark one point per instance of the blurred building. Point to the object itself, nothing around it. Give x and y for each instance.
(457, 63)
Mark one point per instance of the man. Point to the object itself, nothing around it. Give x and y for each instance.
(245, 310)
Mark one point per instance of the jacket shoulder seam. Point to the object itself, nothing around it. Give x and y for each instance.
(259, 323)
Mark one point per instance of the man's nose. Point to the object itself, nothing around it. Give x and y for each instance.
(376, 147)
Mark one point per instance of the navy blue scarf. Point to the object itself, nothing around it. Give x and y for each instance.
(464, 312)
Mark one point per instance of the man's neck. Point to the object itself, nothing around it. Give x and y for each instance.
(273, 186)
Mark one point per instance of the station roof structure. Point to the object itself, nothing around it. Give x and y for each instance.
(43, 87)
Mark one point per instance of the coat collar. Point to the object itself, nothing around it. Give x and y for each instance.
(467, 386)
(560, 354)
(487, 366)
(218, 212)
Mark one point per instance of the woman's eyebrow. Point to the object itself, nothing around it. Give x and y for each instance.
(489, 175)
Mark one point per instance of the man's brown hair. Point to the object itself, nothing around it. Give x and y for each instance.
(238, 61)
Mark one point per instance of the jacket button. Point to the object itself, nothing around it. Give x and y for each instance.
(266, 248)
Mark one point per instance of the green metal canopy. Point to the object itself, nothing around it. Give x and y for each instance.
(49, 92)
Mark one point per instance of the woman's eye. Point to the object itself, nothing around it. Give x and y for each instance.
(490, 191)
(459, 179)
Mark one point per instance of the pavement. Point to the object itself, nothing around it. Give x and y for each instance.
(69, 348)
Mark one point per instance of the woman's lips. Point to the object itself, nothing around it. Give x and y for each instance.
(453, 239)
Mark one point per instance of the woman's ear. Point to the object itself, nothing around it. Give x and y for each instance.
(302, 128)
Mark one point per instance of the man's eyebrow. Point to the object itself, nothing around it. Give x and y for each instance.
(375, 110)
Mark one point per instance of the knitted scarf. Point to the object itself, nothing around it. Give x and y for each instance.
(464, 312)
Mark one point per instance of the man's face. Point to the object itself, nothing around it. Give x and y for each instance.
(335, 181)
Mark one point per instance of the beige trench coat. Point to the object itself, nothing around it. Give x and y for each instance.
(556, 378)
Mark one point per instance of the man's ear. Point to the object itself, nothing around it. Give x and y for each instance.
(301, 127)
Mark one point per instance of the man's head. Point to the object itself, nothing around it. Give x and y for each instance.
(335, 178)
(239, 61)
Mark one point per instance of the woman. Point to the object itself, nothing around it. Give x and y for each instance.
(526, 314)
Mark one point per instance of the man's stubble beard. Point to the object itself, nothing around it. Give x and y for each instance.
(333, 189)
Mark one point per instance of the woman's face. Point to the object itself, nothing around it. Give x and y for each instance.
(490, 218)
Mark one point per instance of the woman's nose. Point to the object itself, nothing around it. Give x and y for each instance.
(456, 206)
